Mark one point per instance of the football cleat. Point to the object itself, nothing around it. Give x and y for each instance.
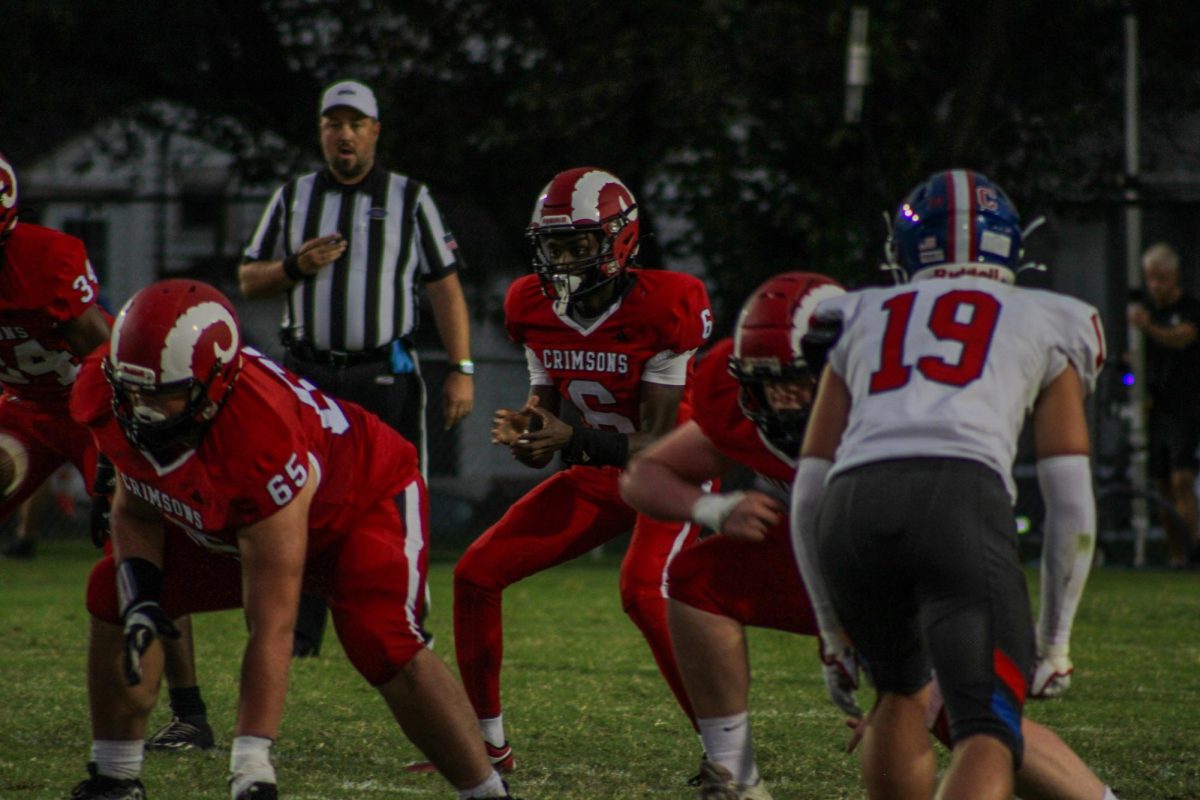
(103, 787)
(259, 790)
(716, 783)
(1052, 678)
(181, 734)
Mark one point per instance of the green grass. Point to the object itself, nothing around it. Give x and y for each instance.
(586, 710)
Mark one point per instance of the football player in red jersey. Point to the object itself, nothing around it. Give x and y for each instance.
(50, 320)
(616, 343)
(753, 395)
(215, 509)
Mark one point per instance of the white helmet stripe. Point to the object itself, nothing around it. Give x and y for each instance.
(180, 342)
(585, 198)
(804, 311)
(962, 216)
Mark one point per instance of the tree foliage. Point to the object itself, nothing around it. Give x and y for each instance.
(726, 114)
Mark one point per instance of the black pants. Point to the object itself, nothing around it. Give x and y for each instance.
(397, 399)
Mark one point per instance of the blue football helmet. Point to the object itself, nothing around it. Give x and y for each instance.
(955, 223)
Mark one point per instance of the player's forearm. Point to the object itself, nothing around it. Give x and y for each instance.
(451, 317)
(654, 489)
(264, 681)
(1175, 337)
(259, 279)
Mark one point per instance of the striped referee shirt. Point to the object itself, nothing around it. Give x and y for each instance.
(394, 236)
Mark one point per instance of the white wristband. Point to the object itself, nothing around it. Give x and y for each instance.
(711, 510)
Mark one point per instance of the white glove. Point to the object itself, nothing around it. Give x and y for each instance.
(1053, 674)
(841, 671)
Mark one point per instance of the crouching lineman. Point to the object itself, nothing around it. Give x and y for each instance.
(239, 484)
(752, 399)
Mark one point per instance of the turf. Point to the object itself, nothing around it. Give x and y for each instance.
(586, 711)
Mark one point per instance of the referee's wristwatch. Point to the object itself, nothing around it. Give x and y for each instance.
(466, 366)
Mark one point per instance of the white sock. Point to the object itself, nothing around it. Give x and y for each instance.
(119, 759)
(249, 763)
(492, 787)
(727, 742)
(493, 730)
(1108, 794)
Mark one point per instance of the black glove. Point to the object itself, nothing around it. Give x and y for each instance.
(140, 583)
(104, 483)
(143, 623)
(101, 519)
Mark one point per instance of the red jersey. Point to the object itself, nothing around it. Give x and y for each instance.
(718, 414)
(599, 368)
(274, 433)
(46, 281)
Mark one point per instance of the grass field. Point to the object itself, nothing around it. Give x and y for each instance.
(586, 710)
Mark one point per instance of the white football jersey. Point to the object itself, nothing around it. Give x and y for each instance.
(949, 367)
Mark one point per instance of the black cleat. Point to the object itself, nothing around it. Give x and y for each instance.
(102, 787)
(182, 734)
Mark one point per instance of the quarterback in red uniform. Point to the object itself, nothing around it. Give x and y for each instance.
(753, 395)
(616, 344)
(49, 320)
(239, 483)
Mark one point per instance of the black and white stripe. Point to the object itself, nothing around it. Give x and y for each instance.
(367, 298)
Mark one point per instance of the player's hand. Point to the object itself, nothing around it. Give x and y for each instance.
(841, 671)
(458, 398)
(545, 435)
(508, 425)
(144, 622)
(752, 517)
(1052, 676)
(317, 254)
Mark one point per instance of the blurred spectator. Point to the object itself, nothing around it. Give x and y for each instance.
(1170, 320)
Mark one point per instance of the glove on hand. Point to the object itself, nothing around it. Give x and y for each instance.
(144, 622)
(841, 671)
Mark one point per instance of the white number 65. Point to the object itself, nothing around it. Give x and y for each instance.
(280, 489)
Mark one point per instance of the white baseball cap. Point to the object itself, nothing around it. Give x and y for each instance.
(351, 94)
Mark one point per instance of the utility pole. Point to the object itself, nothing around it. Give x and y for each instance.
(1133, 277)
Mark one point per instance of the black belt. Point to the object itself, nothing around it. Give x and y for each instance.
(304, 351)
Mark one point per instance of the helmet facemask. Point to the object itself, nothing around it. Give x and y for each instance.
(147, 427)
(761, 390)
(573, 262)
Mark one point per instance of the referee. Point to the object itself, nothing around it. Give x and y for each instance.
(347, 246)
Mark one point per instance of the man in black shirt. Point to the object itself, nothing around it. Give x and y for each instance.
(1171, 323)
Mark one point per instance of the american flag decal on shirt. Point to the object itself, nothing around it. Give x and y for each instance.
(449, 240)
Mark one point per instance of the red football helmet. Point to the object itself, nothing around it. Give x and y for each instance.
(8, 197)
(767, 348)
(584, 200)
(173, 336)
